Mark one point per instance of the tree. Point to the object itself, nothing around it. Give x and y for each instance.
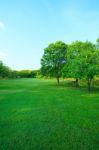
(82, 62)
(24, 73)
(54, 59)
(90, 62)
(13, 74)
(35, 73)
(74, 65)
(4, 70)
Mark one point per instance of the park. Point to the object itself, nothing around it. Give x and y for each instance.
(55, 107)
(36, 114)
(49, 75)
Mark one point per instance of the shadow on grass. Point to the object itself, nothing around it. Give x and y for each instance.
(82, 86)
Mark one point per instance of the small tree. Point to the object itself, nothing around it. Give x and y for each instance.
(54, 59)
(91, 62)
(4, 70)
(74, 61)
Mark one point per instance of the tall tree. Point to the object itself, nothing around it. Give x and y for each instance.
(91, 62)
(54, 59)
(74, 61)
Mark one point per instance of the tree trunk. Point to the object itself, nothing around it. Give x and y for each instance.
(89, 85)
(77, 82)
(57, 81)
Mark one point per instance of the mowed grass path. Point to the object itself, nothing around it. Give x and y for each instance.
(36, 114)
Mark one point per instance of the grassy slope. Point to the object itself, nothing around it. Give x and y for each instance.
(38, 115)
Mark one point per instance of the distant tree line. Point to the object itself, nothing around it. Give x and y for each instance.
(6, 72)
(78, 60)
(28, 73)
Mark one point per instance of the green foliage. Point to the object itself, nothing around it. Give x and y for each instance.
(78, 60)
(82, 61)
(24, 73)
(90, 62)
(4, 70)
(74, 59)
(35, 73)
(7, 72)
(28, 73)
(14, 74)
(54, 59)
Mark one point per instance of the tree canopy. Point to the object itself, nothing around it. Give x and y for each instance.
(54, 59)
(79, 60)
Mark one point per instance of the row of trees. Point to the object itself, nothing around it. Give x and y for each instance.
(6, 72)
(79, 60)
(28, 73)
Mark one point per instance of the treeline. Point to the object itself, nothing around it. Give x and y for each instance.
(28, 73)
(6, 72)
(78, 60)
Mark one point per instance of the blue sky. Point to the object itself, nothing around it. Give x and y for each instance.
(28, 26)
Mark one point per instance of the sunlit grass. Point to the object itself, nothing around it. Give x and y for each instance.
(36, 114)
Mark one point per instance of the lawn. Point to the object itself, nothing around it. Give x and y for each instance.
(36, 114)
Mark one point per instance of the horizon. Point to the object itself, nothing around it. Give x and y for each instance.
(28, 26)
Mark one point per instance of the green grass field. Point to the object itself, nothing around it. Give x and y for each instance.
(36, 114)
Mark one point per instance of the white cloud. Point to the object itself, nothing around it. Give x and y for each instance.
(2, 25)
